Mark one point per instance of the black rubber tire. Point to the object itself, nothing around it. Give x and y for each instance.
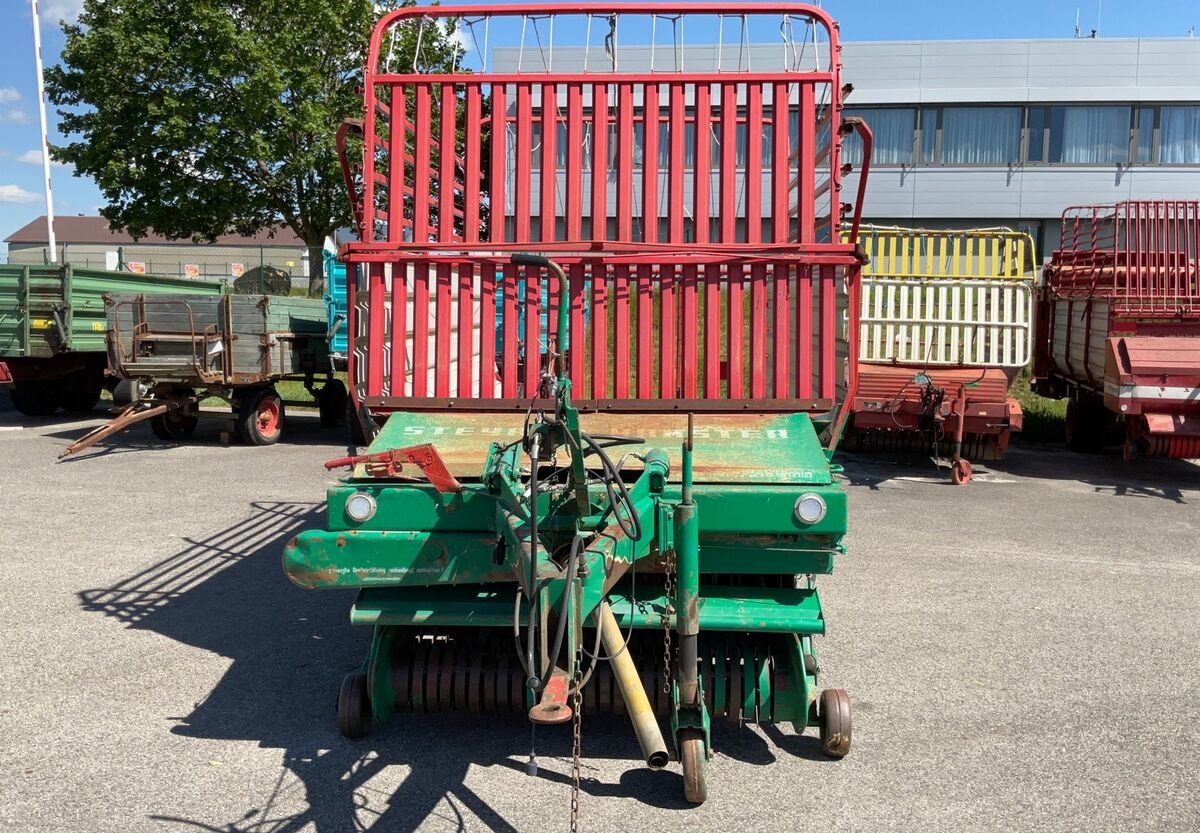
(34, 399)
(331, 403)
(80, 393)
(358, 437)
(694, 760)
(251, 429)
(354, 716)
(833, 708)
(173, 426)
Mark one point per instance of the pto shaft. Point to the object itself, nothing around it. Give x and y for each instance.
(645, 724)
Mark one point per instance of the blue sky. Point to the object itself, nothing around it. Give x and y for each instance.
(20, 161)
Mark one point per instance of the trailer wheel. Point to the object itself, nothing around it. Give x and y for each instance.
(35, 399)
(260, 417)
(80, 393)
(354, 707)
(695, 765)
(833, 708)
(331, 402)
(173, 426)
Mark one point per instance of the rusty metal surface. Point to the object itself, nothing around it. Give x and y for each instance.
(889, 383)
(742, 448)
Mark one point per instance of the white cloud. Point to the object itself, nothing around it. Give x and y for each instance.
(54, 11)
(34, 157)
(9, 95)
(14, 116)
(15, 193)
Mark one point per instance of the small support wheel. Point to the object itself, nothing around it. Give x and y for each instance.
(961, 472)
(833, 708)
(260, 417)
(354, 714)
(694, 759)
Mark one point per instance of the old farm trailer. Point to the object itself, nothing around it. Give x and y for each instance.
(173, 352)
(946, 323)
(1119, 326)
(646, 500)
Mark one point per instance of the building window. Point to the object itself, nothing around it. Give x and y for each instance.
(929, 135)
(1144, 144)
(893, 130)
(1179, 136)
(981, 135)
(1089, 135)
(1035, 132)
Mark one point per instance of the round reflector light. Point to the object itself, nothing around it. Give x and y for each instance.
(810, 508)
(360, 507)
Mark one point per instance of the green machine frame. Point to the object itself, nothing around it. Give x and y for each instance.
(677, 581)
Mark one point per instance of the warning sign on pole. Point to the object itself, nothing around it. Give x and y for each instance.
(137, 267)
(191, 270)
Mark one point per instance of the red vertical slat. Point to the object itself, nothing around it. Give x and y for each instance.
(487, 330)
(675, 169)
(446, 175)
(781, 228)
(466, 326)
(577, 346)
(510, 325)
(599, 232)
(574, 172)
(805, 167)
(499, 161)
(645, 285)
(422, 182)
(804, 331)
(549, 168)
(828, 332)
(712, 273)
(533, 334)
(471, 133)
(735, 328)
(620, 299)
(599, 162)
(375, 295)
(420, 330)
(599, 330)
(758, 271)
(399, 328)
(522, 163)
(397, 152)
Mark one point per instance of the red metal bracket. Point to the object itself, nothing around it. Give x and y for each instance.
(391, 462)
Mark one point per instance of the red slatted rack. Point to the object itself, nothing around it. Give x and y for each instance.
(696, 211)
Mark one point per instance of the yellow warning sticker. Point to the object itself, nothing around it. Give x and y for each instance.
(97, 326)
(40, 324)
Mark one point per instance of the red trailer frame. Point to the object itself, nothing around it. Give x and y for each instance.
(689, 305)
(1119, 325)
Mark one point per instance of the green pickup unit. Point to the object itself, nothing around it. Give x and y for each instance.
(53, 327)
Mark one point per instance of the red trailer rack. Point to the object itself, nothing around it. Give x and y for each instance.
(687, 300)
(1119, 326)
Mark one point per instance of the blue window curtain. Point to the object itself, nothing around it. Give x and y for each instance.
(1179, 136)
(981, 135)
(893, 128)
(1089, 135)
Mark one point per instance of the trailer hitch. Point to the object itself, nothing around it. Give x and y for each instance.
(391, 462)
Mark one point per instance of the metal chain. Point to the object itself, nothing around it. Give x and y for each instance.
(668, 609)
(576, 736)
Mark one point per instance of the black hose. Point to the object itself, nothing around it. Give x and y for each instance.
(532, 578)
(632, 530)
(572, 565)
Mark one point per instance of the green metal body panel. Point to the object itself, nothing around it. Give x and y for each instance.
(49, 310)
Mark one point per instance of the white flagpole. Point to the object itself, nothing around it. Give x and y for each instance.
(41, 91)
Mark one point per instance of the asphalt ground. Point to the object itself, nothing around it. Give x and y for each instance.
(1022, 654)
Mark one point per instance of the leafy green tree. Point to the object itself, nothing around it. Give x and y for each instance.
(198, 118)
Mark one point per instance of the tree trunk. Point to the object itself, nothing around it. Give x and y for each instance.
(316, 268)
